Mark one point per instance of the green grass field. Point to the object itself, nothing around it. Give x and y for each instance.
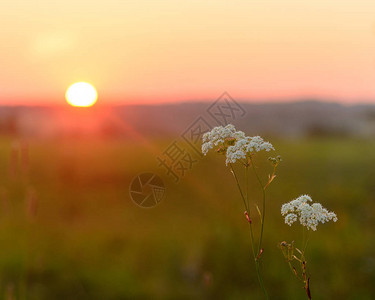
(68, 229)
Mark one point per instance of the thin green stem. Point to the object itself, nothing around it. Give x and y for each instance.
(238, 185)
(260, 279)
(263, 204)
(247, 185)
(306, 280)
(247, 201)
(247, 207)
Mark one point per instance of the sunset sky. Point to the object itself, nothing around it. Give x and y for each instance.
(174, 50)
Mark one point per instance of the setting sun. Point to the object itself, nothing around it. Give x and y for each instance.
(81, 94)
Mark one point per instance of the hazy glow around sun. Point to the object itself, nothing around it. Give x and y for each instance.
(81, 94)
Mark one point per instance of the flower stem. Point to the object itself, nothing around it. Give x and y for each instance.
(247, 208)
(239, 187)
(247, 185)
(263, 204)
(306, 279)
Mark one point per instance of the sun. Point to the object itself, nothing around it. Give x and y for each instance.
(81, 94)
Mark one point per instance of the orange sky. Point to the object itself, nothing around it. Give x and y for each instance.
(172, 50)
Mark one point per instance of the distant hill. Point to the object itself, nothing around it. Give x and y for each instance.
(293, 119)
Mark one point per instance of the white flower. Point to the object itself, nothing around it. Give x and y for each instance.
(295, 204)
(290, 219)
(257, 144)
(237, 151)
(239, 135)
(234, 154)
(309, 215)
(235, 144)
(245, 146)
(217, 136)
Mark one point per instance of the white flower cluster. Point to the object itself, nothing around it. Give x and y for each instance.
(246, 145)
(235, 143)
(309, 215)
(217, 136)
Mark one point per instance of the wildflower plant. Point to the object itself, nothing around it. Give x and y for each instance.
(241, 149)
(309, 216)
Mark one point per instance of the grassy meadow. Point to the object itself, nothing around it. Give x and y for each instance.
(68, 229)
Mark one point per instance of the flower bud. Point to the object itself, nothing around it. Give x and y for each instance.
(247, 217)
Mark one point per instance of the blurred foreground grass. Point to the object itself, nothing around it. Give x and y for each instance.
(68, 229)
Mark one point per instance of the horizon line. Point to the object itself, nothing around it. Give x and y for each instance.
(274, 101)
